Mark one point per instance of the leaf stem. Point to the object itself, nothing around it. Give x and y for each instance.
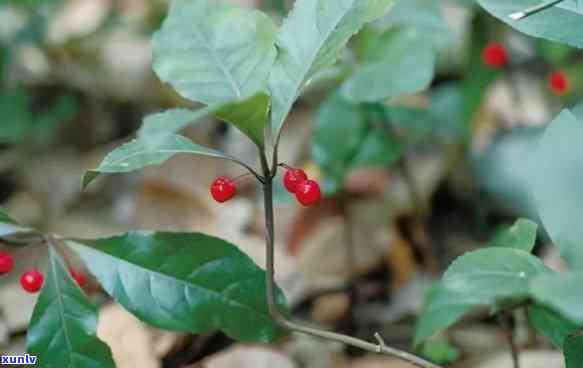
(281, 320)
(533, 10)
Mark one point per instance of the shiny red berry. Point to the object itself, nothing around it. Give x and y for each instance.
(32, 281)
(292, 178)
(79, 277)
(495, 55)
(558, 83)
(6, 263)
(308, 192)
(223, 189)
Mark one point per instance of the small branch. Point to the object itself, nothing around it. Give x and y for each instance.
(249, 168)
(504, 321)
(535, 9)
(282, 321)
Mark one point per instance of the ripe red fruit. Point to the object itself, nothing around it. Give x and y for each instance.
(223, 189)
(292, 178)
(6, 263)
(79, 277)
(558, 83)
(495, 55)
(32, 281)
(308, 192)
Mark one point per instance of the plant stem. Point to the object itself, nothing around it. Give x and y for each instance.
(533, 10)
(504, 321)
(281, 320)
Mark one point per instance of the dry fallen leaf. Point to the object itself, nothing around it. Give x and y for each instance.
(529, 359)
(133, 344)
(248, 357)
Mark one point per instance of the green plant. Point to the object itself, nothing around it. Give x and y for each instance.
(506, 276)
(249, 74)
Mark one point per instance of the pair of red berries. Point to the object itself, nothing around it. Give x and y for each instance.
(295, 181)
(32, 280)
(495, 55)
(307, 191)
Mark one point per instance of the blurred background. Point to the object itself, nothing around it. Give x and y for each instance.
(76, 81)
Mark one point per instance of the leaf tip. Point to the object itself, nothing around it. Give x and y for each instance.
(88, 178)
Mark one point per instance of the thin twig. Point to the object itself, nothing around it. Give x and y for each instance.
(503, 320)
(279, 318)
(535, 9)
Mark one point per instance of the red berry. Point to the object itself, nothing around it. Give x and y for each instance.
(308, 192)
(223, 189)
(79, 277)
(32, 281)
(495, 55)
(6, 263)
(292, 178)
(558, 83)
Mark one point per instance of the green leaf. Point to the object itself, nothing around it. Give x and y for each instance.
(521, 235)
(311, 38)
(249, 116)
(214, 53)
(440, 351)
(489, 276)
(494, 277)
(62, 331)
(183, 282)
(17, 119)
(505, 175)
(423, 16)
(442, 309)
(550, 324)
(573, 350)
(561, 292)
(406, 67)
(544, 24)
(156, 143)
(378, 149)
(170, 122)
(338, 131)
(556, 185)
(9, 226)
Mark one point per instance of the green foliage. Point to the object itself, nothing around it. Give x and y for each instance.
(422, 16)
(544, 24)
(214, 53)
(155, 144)
(63, 328)
(504, 173)
(402, 64)
(492, 275)
(496, 277)
(442, 309)
(348, 136)
(556, 185)
(9, 226)
(550, 324)
(521, 235)
(440, 351)
(250, 116)
(558, 291)
(573, 351)
(324, 29)
(183, 282)
(20, 124)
